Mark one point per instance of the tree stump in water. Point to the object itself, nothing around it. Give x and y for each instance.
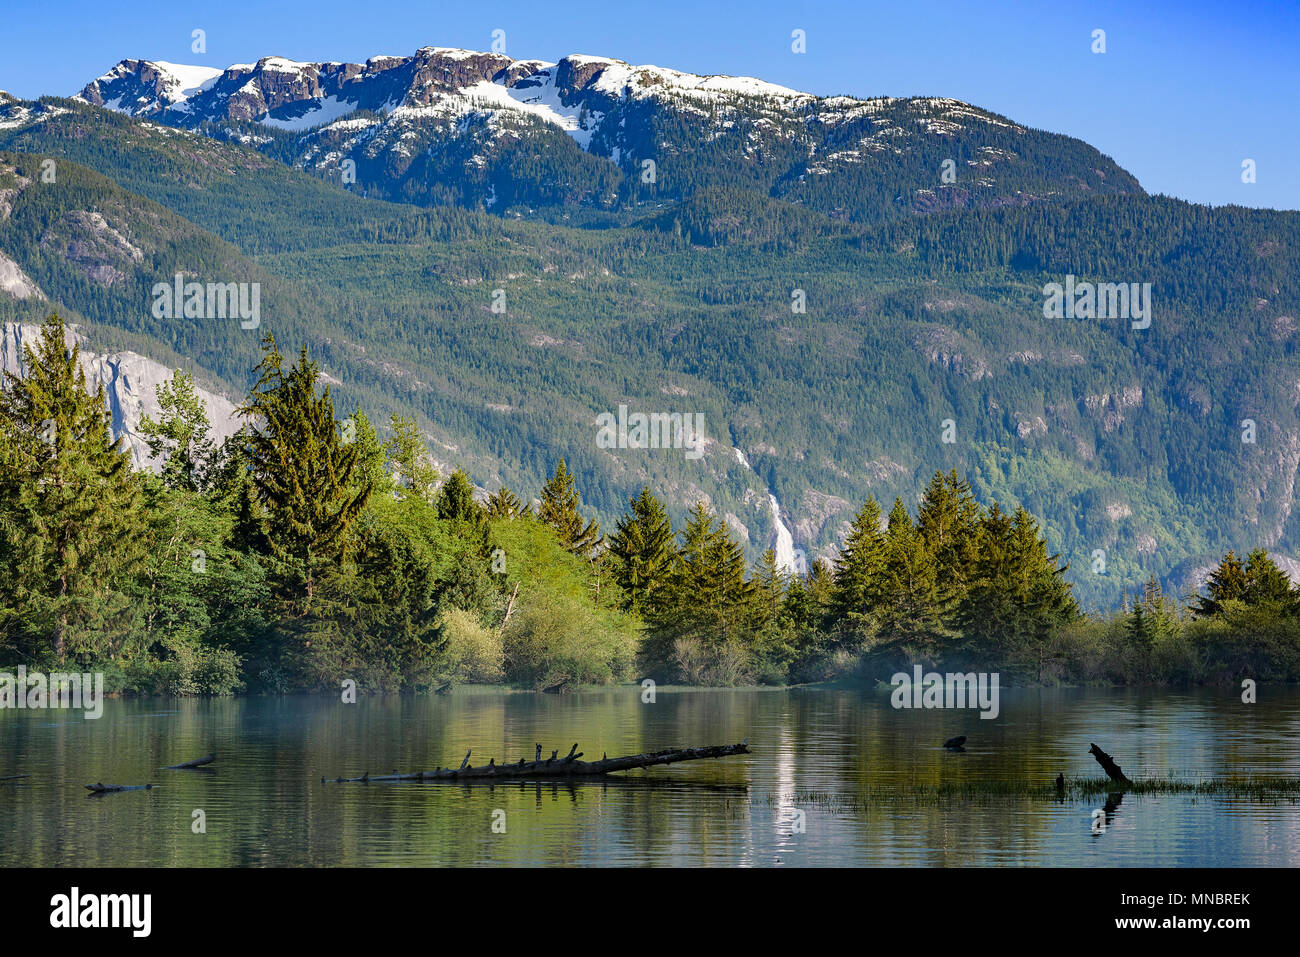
(1108, 765)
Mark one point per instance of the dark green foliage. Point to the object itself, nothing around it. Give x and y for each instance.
(302, 470)
(559, 509)
(642, 549)
(70, 515)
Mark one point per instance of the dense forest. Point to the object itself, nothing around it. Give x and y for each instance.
(682, 298)
(307, 550)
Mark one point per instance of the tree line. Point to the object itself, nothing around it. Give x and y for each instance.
(306, 550)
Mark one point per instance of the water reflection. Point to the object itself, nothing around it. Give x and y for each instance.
(835, 778)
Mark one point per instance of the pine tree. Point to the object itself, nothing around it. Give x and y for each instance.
(861, 565)
(1226, 583)
(948, 520)
(770, 582)
(706, 601)
(642, 550)
(559, 509)
(504, 503)
(69, 506)
(911, 611)
(304, 474)
(180, 439)
(1017, 598)
(1266, 584)
(455, 502)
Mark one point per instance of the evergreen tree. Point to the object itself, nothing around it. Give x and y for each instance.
(455, 502)
(1266, 584)
(370, 471)
(911, 610)
(303, 473)
(1226, 583)
(69, 508)
(180, 440)
(949, 522)
(707, 601)
(770, 582)
(559, 509)
(504, 503)
(1018, 597)
(642, 550)
(861, 565)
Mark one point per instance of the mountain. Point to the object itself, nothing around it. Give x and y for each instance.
(825, 327)
(488, 131)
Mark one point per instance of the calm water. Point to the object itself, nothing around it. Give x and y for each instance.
(814, 750)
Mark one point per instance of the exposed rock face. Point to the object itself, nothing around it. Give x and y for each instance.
(14, 282)
(129, 380)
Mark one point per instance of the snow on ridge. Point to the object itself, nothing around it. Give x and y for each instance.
(188, 80)
(327, 110)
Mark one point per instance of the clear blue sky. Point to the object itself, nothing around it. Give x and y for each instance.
(1184, 92)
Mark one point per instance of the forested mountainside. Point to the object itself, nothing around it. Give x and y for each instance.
(833, 324)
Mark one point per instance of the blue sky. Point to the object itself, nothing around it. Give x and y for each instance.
(1183, 94)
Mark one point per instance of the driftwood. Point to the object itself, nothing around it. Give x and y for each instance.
(1108, 765)
(552, 767)
(189, 765)
(101, 788)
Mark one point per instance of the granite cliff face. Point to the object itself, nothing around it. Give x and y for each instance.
(129, 381)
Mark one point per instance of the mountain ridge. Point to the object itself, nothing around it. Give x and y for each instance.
(409, 124)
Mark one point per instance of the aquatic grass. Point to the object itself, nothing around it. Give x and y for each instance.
(1250, 787)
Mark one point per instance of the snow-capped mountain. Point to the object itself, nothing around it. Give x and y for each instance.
(288, 94)
(484, 129)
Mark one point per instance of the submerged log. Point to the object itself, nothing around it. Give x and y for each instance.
(554, 766)
(1108, 765)
(196, 763)
(101, 788)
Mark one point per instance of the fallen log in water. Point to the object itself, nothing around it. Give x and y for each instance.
(553, 767)
(101, 788)
(14, 777)
(1108, 765)
(196, 763)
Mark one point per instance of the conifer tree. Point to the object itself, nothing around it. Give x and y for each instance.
(770, 582)
(1018, 597)
(642, 549)
(707, 599)
(559, 509)
(304, 474)
(69, 506)
(948, 520)
(180, 439)
(861, 565)
(504, 503)
(1266, 584)
(1226, 583)
(911, 611)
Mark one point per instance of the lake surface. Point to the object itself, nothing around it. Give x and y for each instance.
(845, 759)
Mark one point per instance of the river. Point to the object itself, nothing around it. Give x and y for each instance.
(833, 780)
